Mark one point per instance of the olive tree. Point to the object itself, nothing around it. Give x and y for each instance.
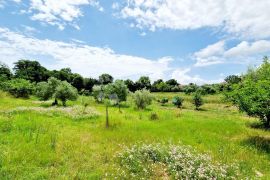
(142, 98)
(66, 91)
(252, 95)
(178, 101)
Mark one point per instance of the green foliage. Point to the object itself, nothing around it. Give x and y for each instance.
(118, 89)
(5, 72)
(65, 92)
(46, 90)
(19, 88)
(142, 98)
(144, 83)
(77, 82)
(178, 101)
(191, 88)
(105, 79)
(197, 100)
(98, 93)
(163, 101)
(30, 70)
(233, 79)
(132, 86)
(252, 95)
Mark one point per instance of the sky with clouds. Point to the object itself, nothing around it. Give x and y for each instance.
(189, 40)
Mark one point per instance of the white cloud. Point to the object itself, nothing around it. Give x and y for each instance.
(59, 12)
(83, 59)
(244, 51)
(182, 76)
(243, 18)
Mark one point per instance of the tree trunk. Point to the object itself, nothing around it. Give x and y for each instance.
(119, 106)
(107, 117)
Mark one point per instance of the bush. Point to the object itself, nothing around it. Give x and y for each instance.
(163, 101)
(178, 101)
(19, 88)
(65, 92)
(153, 116)
(142, 98)
(43, 91)
(197, 100)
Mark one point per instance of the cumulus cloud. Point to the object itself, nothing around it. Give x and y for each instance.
(60, 12)
(183, 77)
(245, 18)
(218, 53)
(83, 59)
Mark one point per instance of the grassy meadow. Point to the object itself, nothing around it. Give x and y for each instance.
(37, 142)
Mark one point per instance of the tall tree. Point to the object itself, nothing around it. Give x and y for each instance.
(78, 82)
(105, 79)
(30, 70)
(5, 72)
(144, 83)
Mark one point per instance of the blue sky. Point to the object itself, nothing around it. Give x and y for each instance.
(189, 40)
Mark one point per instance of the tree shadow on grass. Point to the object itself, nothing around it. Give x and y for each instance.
(257, 125)
(259, 142)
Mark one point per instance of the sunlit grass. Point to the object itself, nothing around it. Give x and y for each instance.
(37, 145)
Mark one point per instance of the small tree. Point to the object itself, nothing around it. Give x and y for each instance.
(142, 98)
(98, 93)
(116, 91)
(178, 101)
(252, 95)
(65, 92)
(197, 100)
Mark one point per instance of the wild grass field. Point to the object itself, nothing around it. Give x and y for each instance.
(41, 142)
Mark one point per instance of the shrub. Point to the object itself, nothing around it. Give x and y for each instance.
(178, 101)
(153, 116)
(163, 101)
(197, 100)
(19, 88)
(173, 161)
(65, 92)
(43, 91)
(142, 98)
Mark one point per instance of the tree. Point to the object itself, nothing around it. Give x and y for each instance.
(197, 100)
(30, 70)
(19, 88)
(78, 82)
(131, 85)
(178, 101)
(191, 88)
(105, 79)
(89, 84)
(252, 95)
(66, 91)
(142, 98)
(43, 91)
(172, 82)
(98, 93)
(5, 72)
(233, 79)
(144, 83)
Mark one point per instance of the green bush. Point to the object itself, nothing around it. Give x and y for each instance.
(197, 100)
(66, 91)
(142, 98)
(19, 88)
(163, 101)
(178, 101)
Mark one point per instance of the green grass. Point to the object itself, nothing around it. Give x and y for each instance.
(36, 145)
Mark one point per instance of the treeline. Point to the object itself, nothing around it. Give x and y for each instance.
(33, 72)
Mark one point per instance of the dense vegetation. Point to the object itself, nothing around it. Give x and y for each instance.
(110, 128)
